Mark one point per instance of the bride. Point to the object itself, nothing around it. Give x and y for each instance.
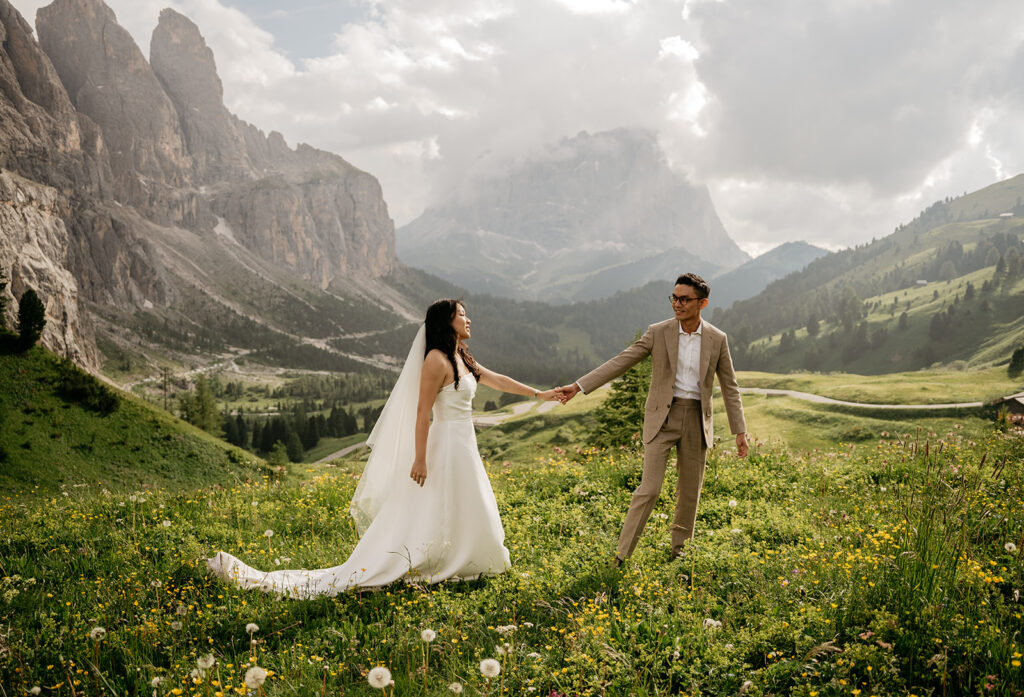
(439, 522)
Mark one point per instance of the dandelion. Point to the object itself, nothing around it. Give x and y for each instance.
(206, 662)
(156, 583)
(1010, 547)
(490, 668)
(500, 650)
(98, 634)
(166, 523)
(428, 635)
(181, 610)
(268, 533)
(505, 629)
(456, 688)
(176, 626)
(732, 503)
(252, 628)
(379, 677)
(254, 678)
(155, 682)
(712, 624)
(35, 690)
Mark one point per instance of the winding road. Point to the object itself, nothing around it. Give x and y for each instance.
(486, 420)
(808, 397)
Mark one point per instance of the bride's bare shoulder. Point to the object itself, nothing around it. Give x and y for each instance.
(437, 360)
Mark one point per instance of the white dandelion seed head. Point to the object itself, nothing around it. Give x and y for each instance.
(196, 675)
(490, 668)
(175, 625)
(505, 629)
(268, 533)
(181, 610)
(255, 503)
(155, 682)
(732, 503)
(428, 635)
(1010, 547)
(206, 662)
(156, 583)
(712, 623)
(379, 677)
(500, 650)
(98, 634)
(254, 677)
(456, 688)
(35, 690)
(166, 523)
(252, 628)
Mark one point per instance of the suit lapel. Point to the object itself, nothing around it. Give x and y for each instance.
(706, 348)
(672, 346)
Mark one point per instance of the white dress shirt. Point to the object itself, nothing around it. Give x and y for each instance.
(687, 382)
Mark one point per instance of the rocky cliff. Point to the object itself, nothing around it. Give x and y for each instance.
(589, 204)
(113, 165)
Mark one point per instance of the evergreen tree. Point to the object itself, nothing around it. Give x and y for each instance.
(294, 447)
(1016, 366)
(904, 321)
(3, 300)
(620, 418)
(812, 325)
(31, 318)
(199, 408)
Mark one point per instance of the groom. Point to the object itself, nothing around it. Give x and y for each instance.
(686, 353)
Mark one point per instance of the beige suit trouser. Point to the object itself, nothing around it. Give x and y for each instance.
(684, 430)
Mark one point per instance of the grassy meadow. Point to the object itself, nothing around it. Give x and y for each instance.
(889, 567)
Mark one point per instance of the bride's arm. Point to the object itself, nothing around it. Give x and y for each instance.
(435, 369)
(504, 383)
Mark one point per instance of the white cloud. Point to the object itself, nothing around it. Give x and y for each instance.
(826, 120)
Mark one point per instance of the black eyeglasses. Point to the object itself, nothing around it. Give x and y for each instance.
(681, 300)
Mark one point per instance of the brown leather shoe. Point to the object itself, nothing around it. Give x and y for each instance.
(617, 563)
(677, 553)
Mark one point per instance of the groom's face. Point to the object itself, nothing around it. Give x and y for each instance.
(686, 304)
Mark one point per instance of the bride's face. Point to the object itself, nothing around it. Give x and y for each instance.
(461, 323)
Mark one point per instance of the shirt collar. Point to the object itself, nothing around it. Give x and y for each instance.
(697, 332)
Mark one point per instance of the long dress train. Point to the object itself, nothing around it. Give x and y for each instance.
(447, 529)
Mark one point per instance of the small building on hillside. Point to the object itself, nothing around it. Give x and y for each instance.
(1014, 405)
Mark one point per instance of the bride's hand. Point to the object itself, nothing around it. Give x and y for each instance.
(419, 471)
(548, 395)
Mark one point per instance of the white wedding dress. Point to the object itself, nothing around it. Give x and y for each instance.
(447, 529)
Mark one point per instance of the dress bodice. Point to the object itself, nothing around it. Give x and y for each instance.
(456, 404)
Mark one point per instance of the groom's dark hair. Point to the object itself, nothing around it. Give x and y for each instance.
(695, 282)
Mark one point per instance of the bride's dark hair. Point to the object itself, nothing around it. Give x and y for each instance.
(441, 335)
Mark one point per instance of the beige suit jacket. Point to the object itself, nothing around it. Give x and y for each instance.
(661, 343)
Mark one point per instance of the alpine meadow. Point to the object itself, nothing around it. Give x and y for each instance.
(202, 321)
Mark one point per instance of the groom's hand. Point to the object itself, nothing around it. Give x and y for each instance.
(567, 392)
(741, 444)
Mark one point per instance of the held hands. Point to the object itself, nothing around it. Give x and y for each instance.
(548, 395)
(566, 392)
(419, 471)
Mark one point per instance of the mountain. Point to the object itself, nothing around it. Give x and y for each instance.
(140, 209)
(750, 278)
(589, 216)
(945, 287)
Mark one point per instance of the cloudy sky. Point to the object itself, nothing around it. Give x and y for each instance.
(830, 121)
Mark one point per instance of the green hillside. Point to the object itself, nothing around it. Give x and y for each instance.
(942, 289)
(60, 428)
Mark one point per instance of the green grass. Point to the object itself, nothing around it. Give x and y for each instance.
(326, 446)
(49, 440)
(881, 569)
(913, 387)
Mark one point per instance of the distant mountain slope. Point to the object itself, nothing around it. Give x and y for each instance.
(751, 278)
(59, 427)
(570, 223)
(947, 246)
